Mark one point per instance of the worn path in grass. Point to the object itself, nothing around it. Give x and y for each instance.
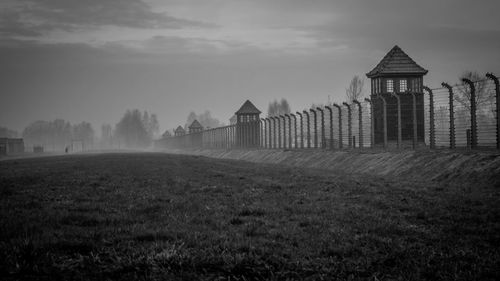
(158, 216)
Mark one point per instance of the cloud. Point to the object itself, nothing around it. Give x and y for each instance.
(30, 18)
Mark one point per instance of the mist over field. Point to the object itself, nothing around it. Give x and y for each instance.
(249, 140)
(92, 61)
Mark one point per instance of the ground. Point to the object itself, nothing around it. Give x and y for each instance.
(156, 216)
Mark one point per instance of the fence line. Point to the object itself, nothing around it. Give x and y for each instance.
(458, 116)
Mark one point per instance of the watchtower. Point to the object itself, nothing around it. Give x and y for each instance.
(248, 125)
(195, 127)
(395, 77)
(179, 131)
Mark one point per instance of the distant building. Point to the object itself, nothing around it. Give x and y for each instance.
(11, 146)
(248, 125)
(167, 134)
(195, 127)
(179, 131)
(397, 74)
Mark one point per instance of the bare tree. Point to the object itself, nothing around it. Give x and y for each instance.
(276, 108)
(463, 93)
(106, 136)
(355, 90)
(132, 129)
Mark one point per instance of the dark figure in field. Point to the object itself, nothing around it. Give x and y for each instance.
(66, 149)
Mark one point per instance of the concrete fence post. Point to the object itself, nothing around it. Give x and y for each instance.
(497, 99)
(322, 127)
(432, 125)
(301, 130)
(315, 127)
(360, 119)
(372, 123)
(269, 132)
(289, 131)
(275, 136)
(214, 139)
(400, 134)
(349, 124)
(384, 103)
(284, 130)
(308, 129)
(279, 131)
(414, 113)
(234, 135)
(473, 109)
(220, 134)
(263, 133)
(225, 135)
(229, 136)
(331, 125)
(452, 114)
(340, 124)
(294, 128)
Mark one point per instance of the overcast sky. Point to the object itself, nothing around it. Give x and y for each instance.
(90, 60)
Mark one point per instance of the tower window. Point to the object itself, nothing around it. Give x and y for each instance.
(390, 85)
(402, 85)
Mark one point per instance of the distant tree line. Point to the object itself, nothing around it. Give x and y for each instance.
(136, 129)
(57, 134)
(8, 133)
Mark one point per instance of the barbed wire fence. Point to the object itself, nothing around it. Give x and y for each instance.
(457, 116)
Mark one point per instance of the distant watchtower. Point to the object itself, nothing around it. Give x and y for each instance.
(397, 75)
(248, 125)
(179, 131)
(195, 127)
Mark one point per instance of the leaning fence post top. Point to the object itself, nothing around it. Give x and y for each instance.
(469, 82)
(446, 85)
(493, 77)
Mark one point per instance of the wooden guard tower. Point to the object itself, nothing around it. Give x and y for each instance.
(248, 125)
(395, 77)
(179, 131)
(195, 127)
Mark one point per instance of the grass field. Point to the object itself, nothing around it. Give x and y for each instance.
(152, 216)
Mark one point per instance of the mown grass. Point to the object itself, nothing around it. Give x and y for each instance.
(148, 216)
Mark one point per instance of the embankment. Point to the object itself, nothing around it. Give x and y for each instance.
(442, 166)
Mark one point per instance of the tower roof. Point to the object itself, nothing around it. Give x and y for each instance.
(248, 108)
(396, 62)
(180, 129)
(195, 125)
